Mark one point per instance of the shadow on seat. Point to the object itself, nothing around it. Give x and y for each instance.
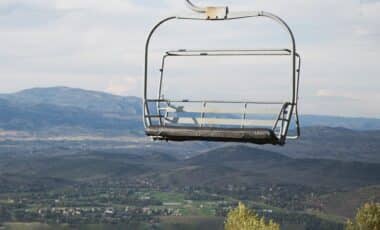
(252, 135)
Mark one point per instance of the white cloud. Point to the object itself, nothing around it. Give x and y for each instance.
(98, 5)
(124, 86)
(71, 41)
(337, 94)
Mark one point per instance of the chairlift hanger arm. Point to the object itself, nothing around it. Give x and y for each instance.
(218, 12)
(213, 13)
(195, 8)
(237, 52)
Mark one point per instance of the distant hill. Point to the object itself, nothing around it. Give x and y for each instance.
(46, 119)
(78, 98)
(250, 166)
(67, 111)
(235, 153)
(334, 143)
(100, 102)
(218, 168)
(355, 123)
(344, 202)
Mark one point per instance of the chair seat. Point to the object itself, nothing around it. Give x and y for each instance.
(251, 135)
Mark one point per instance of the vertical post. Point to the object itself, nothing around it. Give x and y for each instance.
(203, 114)
(148, 122)
(294, 72)
(244, 115)
(160, 96)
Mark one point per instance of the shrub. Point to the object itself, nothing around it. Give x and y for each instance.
(367, 218)
(241, 218)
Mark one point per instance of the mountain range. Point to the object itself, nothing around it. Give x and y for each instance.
(62, 111)
(32, 107)
(20, 111)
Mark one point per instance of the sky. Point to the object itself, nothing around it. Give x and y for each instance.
(99, 45)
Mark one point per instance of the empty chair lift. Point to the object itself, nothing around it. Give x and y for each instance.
(210, 120)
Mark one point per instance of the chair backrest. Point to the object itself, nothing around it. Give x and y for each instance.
(220, 114)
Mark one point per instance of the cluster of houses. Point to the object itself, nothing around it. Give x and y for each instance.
(110, 211)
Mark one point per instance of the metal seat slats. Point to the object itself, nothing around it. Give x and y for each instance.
(255, 136)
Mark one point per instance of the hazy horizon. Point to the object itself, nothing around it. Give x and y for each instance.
(99, 45)
(139, 96)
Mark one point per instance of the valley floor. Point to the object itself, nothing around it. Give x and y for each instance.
(123, 185)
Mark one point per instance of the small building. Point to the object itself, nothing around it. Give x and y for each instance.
(109, 211)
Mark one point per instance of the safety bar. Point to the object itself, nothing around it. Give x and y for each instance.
(215, 101)
(175, 112)
(258, 52)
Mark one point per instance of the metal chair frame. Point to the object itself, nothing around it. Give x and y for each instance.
(160, 112)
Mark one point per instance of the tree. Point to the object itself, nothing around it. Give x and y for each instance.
(241, 218)
(367, 218)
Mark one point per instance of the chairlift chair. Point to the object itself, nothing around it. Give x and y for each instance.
(192, 120)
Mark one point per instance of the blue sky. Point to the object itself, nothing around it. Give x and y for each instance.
(97, 44)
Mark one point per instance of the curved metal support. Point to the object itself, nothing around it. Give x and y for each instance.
(145, 105)
(211, 12)
(195, 8)
(293, 106)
